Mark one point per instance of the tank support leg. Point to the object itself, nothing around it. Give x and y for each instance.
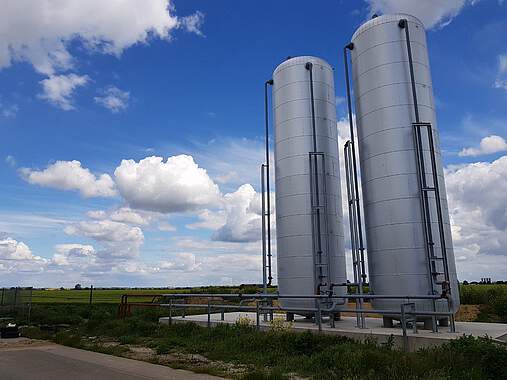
(387, 322)
(444, 322)
(290, 317)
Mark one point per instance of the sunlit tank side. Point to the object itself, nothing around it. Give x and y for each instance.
(293, 142)
(397, 260)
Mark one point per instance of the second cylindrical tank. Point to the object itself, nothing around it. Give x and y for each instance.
(297, 257)
(397, 258)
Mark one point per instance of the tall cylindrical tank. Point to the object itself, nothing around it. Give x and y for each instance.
(397, 258)
(298, 266)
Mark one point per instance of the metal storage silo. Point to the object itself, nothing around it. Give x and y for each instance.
(310, 240)
(406, 223)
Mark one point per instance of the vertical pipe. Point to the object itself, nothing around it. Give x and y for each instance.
(268, 200)
(354, 163)
(263, 229)
(355, 190)
(309, 67)
(426, 210)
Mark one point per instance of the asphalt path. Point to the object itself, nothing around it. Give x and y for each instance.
(43, 361)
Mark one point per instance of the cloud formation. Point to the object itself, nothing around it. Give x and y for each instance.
(176, 185)
(501, 78)
(113, 99)
(488, 145)
(433, 13)
(58, 89)
(40, 32)
(70, 175)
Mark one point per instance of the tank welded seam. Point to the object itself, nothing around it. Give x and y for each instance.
(320, 83)
(384, 43)
(302, 235)
(391, 129)
(325, 119)
(299, 195)
(398, 224)
(355, 78)
(395, 105)
(304, 99)
(386, 19)
(393, 199)
(394, 175)
(391, 151)
(303, 155)
(382, 251)
(278, 141)
(390, 84)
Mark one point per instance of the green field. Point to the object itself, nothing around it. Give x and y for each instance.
(113, 296)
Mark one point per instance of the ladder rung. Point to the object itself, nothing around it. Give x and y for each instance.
(436, 258)
(428, 189)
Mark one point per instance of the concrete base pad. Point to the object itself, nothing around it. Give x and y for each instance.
(347, 327)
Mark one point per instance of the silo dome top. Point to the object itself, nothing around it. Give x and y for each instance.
(385, 19)
(301, 60)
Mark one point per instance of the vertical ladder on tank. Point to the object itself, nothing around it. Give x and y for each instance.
(438, 264)
(318, 204)
(356, 228)
(425, 190)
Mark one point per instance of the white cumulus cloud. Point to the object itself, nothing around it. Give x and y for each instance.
(175, 185)
(119, 240)
(40, 32)
(74, 255)
(433, 13)
(501, 78)
(58, 89)
(488, 145)
(242, 210)
(113, 99)
(70, 175)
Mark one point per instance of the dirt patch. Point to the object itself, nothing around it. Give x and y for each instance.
(468, 313)
(140, 353)
(21, 343)
(200, 363)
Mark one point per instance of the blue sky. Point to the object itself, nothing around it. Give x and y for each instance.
(94, 84)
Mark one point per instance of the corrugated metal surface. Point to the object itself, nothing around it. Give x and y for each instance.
(384, 112)
(293, 142)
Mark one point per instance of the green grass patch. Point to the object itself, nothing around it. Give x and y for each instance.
(277, 354)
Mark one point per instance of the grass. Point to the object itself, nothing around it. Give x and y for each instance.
(492, 298)
(277, 354)
(114, 295)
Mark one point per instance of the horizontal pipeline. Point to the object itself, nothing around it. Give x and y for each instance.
(316, 296)
(269, 308)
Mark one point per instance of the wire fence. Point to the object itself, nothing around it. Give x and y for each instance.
(16, 302)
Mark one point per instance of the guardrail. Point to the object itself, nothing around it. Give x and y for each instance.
(263, 306)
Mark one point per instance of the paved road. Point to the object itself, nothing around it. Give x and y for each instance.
(54, 362)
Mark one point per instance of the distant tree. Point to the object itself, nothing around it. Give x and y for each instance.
(62, 288)
(465, 282)
(78, 287)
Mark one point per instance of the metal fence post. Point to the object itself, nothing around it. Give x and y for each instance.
(3, 291)
(209, 313)
(404, 327)
(319, 317)
(257, 322)
(170, 311)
